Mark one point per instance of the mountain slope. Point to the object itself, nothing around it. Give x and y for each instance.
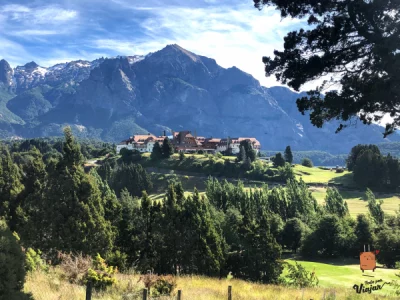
(171, 89)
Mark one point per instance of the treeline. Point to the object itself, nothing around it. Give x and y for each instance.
(319, 158)
(372, 169)
(52, 147)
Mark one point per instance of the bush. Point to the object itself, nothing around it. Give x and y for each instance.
(339, 170)
(164, 285)
(33, 261)
(101, 275)
(270, 172)
(75, 267)
(117, 259)
(12, 270)
(298, 276)
(306, 162)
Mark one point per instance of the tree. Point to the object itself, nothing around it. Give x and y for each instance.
(293, 233)
(73, 213)
(278, 160)
(364, 232)
(375, 207)
(12, 275)
(334, 203)
(248, 149)
(388, 243)
(356, 151)
(288, 155)
(10, 185)
(133, 177)
(306, 162)
(357, 41)
(156, 154)
(369, 170)
(181, 155)
(167, 148)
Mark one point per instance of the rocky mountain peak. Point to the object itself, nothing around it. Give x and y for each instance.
(5, 73)
(31, 66)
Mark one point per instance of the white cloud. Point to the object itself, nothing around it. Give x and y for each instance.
(234, 36)
(35, 32)
(38, 15)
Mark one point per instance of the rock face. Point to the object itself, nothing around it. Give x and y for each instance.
(169, 89)
(6, 74)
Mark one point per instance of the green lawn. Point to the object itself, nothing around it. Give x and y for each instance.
(346, 272)
(357, 204)
(318, 176)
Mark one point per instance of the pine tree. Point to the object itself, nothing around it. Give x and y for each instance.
(73, 210)
(167, 148)
(278, 160)
(156, 154)
(288, 155)
(29, 215)
(10, 185)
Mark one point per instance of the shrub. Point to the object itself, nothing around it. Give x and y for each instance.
(164, 285)
(339, 170)
(34, 261)
(117, 259)
(75, 267)
(298, 276)
(306, 162)
(270, 172)
(12, 271)
(101, 275)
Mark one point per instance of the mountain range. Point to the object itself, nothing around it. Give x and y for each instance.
(171, 89)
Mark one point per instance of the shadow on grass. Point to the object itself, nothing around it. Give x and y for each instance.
(329, 261)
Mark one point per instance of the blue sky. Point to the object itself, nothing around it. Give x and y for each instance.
(232, 32)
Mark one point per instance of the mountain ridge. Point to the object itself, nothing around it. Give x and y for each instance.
(170, 89)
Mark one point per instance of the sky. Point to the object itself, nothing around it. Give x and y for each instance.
(232, 32)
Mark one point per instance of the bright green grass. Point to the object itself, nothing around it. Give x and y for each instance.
(317, 175)
(357, 204)
(346, 273)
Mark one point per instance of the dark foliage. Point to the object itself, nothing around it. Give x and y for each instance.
(355, 40)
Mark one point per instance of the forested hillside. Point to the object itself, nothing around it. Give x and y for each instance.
(57, 206)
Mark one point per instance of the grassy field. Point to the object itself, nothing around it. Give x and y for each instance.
(318, 176)
(357, 204)
(346, 273)
(336, 282)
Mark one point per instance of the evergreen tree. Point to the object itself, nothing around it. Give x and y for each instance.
(12, 275)
(29, 216)
(278, 160)
(73, 210)
(203, 250)
(157, 152)
(259, 254)
(357, 151)
(375, 207)
(10, 185)
(248, 149)
(334, 203)
(288, 155)
(181, 155)
(293, 233)
(167, 148)
(364, 233)
(133, 177)
(242, 156)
